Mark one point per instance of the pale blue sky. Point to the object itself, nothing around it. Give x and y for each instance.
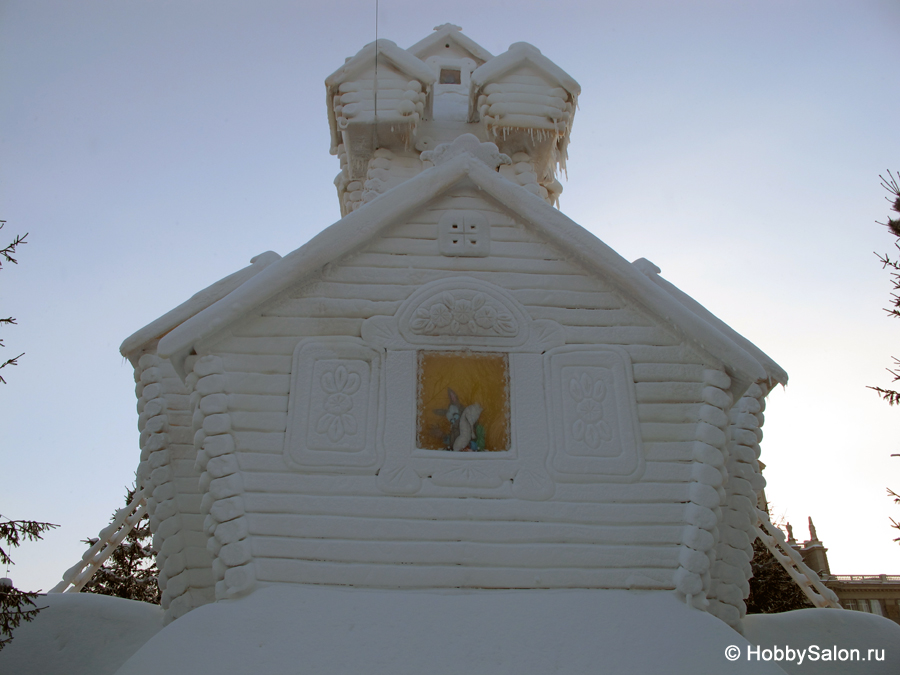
(151, 148)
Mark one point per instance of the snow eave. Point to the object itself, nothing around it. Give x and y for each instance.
(354, 230)
(518, 54)
(454, 34)
(400, 58)
(335, 241)
(590, 252)
(133, 345)
(775, 373)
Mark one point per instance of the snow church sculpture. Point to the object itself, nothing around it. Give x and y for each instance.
(454, 385)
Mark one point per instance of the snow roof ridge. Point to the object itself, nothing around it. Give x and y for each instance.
(401, 58)
(774, 372)
(354, 230)
(449, 31)
(196, 303)
(517, 54)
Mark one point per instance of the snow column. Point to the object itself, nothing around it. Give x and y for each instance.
(732, 571)
(220, 480)
(703, 513)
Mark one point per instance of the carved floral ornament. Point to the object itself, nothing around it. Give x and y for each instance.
(455, 314)
(462, 312)
(336, 421)
(589, 426)
(332, 405)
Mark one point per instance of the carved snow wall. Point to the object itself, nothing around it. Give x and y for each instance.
(622, 489)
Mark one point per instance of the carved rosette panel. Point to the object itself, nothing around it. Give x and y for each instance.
(462, 312)
(595, 429)
(333, 408)
(468, 312)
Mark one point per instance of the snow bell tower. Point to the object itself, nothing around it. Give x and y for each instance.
(387, 106)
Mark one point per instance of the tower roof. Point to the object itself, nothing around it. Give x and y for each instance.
(446, 35)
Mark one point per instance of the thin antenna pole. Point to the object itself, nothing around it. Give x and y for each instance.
(375, 85)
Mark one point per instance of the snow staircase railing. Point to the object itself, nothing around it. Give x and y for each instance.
(74, 579)
(813, 588)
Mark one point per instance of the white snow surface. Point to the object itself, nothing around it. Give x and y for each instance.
(828, 629)
(325, 630)
(80, 633)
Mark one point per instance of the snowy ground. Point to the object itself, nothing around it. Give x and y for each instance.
(326, 630)
(80, 634)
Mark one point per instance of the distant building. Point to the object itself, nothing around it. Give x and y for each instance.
(873, 593)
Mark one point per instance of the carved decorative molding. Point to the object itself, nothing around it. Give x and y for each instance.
(593, 411)
(462, 312)
(467, 143)
(333, 406)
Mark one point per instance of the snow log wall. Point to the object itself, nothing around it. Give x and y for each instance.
(171, 481)
(679, 520)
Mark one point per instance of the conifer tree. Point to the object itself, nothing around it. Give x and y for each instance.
(893, 225)
(15, 604)
(772, 590)
(6, 255)
(130, 572)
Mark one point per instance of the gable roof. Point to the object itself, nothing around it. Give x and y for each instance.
(383, 49)
(399, 58)
(450, 33)
(355, 230)
(519, 54)
(775, 372)
(133, 345)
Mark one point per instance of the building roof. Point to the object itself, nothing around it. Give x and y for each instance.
(133, 345)
(775, 372)
(365, 57)
(519, 54)
(450, 33)
(355, 230)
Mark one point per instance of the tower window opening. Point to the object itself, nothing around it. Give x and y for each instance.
(450, 76)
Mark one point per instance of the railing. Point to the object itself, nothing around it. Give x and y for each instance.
(809, 582)
(74, 579)
(864, 577)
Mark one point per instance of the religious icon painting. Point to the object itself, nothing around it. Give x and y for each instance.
(463, 401)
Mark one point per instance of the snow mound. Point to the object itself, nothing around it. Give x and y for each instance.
(325, 630)
(831, 630)
(80, 634)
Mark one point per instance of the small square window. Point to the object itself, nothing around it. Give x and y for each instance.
(464, 233)
(450, 76)
(463, 401)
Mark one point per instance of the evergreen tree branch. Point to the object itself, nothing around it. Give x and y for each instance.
(14, 603)
(13, 610)
(14, 532)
